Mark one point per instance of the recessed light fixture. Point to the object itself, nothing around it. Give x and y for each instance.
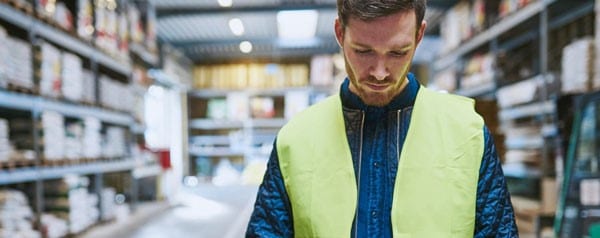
(237, 26)
(246, 47)
(297, 24)
(225, 3)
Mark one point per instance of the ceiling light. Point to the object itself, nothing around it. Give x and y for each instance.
(237, 26)
(246, 47)
(225, 3)
(297, 24)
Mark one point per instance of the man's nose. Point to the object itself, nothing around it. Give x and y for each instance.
(379, 70)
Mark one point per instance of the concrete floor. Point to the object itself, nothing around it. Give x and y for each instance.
(201, 211)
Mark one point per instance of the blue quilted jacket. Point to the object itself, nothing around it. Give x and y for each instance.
(368, 128)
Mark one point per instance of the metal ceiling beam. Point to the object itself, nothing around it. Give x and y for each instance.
(257, 41)
(162, 12)
(167, 11)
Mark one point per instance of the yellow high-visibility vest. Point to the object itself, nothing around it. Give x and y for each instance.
(436, 183)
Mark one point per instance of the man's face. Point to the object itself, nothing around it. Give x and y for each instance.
(378, 54)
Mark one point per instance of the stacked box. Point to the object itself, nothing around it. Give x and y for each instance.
(85, 19)
(69, 199)
(16, 215)
(53, 128)
(577, 66)
(50, 73)
(92, 139)
(89, 86)
(115, 145)
(55, 227)
(151, 31)
(5, 148)
(18, 64)
(72, 77)
(123, 38)
(321, 70)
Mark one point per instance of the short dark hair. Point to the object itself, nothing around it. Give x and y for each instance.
(370, 9)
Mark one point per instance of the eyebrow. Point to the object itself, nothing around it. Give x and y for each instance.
(396, 47)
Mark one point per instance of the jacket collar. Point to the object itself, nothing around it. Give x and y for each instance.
(405, 99)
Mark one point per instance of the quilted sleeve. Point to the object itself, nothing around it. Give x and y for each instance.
(494, 212)
(272, 215)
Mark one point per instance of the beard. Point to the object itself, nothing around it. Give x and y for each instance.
(376, 98)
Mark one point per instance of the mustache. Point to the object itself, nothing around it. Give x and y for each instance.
(373, 80)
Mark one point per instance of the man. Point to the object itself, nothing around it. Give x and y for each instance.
(386, 157)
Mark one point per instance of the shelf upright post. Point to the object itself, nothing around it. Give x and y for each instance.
(39, 185)
(98, 187)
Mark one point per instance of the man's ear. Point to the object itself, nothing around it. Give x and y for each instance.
(421, 31)
(339, 32)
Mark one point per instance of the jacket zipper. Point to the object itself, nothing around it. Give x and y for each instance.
(360, 147)
(399, 119)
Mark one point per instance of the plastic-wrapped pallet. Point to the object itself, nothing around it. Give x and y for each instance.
(50, 75)
(114, 143)
(92, 138)
(72, 77)
(18, 63)
(577, 66)
(55, 227)
(5, 148)
(54, 135)
(16, 215)
(70, 199)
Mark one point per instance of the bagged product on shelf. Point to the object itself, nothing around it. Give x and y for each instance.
(295, 101)
(123, 38)
(577, 66)
(54, 226)
(53, 135)
(50, 75)
(115, 145)
(238, 108)
(85, 19)
(262, 107)
(596, 83)
(72, 77)
(63, 16)
(46, 8)
(19, 70)
(135, 25)
(4, 55)
(151, 33)
(69, 199)
(321, 70)
(92, 138)
(74, 140)
(15, 215)
(5, 147)
(88, 87)
(107, 203)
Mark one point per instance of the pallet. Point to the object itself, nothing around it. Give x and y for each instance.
(15, 164)
(21, 89)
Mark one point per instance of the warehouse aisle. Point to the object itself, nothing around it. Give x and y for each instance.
(201, 211)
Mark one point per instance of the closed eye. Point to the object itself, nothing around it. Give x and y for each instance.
(361, 51)
(399, 53)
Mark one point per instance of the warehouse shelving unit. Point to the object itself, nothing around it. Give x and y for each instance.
(524, 38)
(32, 104)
